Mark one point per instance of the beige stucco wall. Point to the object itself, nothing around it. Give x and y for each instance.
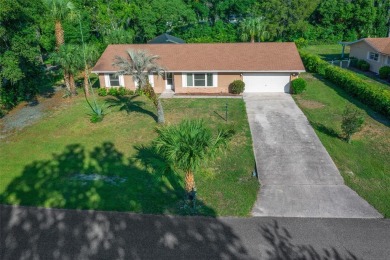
(224, 79)
(129, 83)
(159, 84)
(361, 49)
(102, 81)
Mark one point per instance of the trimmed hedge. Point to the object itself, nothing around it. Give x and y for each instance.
(384, 72)
(313, 63)
(376, 97)
(298, 85)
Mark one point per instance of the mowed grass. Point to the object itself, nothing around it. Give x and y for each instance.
(64, 161)
(327, 51)
(364, 163)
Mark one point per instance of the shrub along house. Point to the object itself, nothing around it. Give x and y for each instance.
(376, 51)
(209, 68)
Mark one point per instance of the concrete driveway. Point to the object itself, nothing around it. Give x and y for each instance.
(298, 178)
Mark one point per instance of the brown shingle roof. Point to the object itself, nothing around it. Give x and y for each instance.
(382, 45)
(243, 57)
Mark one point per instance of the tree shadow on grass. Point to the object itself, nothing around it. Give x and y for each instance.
(373, 114)
(326, 130)
(128, 104)
(282, 246)
(100, 179)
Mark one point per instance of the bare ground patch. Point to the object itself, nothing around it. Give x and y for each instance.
(311, 104)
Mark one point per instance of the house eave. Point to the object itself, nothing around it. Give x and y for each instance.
(216, 71)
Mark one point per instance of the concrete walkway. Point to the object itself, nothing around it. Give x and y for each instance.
(298, 177)
(38, 233)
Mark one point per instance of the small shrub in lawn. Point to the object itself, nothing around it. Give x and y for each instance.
(102, 92)
(298, 85)
(352, 122)
(237, 87)
(384, 72)
(95, 118)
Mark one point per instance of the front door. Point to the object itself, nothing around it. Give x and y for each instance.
(169, 80)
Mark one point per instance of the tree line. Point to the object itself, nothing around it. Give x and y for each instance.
(36, 33)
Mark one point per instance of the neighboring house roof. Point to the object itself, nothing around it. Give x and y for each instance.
(166, 38)
(381, 45)
(217, 57)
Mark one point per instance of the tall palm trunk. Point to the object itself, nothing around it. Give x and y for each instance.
(160, 112)
(59, 32)
(189, 181)
(72, 84)
(86, 83)
(252, 38)
(66, 80)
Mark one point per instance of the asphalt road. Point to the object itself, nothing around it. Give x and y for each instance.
(38, 233)
(298, 177)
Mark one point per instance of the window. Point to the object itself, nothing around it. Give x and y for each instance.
(114, 80)
(200, 80)
(373, 56)
(388, 60)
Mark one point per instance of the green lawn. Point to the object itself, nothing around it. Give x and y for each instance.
(327, 51)
(48, 164)
(364, 163)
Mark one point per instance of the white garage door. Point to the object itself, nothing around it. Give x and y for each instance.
(267, 82)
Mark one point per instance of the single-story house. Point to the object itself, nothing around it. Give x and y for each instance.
(210, 68)
(375, 51)
(165, 38)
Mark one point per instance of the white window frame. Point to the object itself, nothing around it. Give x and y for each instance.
(151, 79)
(375, 54)
(108, 82)
(184, 80)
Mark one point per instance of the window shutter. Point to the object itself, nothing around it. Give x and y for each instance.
(151, 79)
(121, 81)
(107, 80)
(215, 79)
(184, 80)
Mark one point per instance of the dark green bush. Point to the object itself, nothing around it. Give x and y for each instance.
(384, 72)
(353, 62)
(121, 92)
(298, 85)
(237, 87)
(130, 92)
(113, 91)
(313, 63)
(102, 92)
(363, 65)
(378, 98)
(301, 43)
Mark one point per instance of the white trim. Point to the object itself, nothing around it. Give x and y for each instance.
(375, 53)
(214, 71)
(215, 80)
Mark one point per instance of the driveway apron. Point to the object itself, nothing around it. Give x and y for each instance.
(298, 177)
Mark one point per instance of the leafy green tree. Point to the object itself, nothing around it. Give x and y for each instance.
(188, 146)
(142, 64)
(352, 122)
(91, 54)
(59, 10)
(21, 69)
(252, 28)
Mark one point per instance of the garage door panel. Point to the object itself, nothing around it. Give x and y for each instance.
(267, 82)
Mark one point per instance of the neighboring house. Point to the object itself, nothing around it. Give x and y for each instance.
(375, 51)
(210, 68)
(166, 38)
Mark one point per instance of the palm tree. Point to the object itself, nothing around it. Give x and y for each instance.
(253, 27)
(59, 10)
(91, 55)
(188, 146)
(69, 58)
(140, 65)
